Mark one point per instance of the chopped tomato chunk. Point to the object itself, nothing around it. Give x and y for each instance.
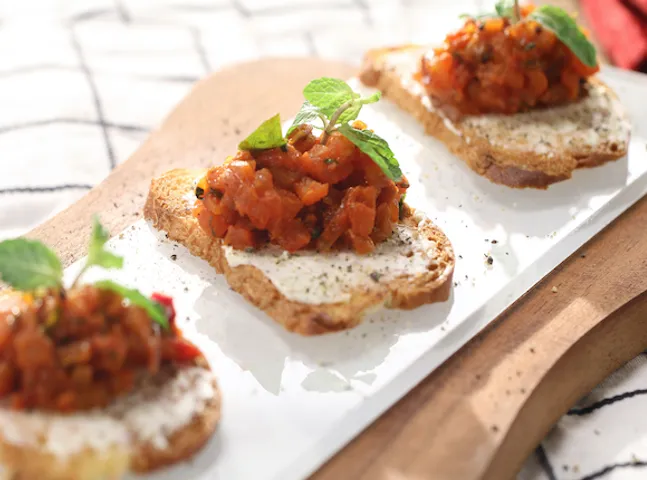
(310, 191)
(240, 237)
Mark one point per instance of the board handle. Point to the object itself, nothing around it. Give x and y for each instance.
(614, 341)
(479, 415)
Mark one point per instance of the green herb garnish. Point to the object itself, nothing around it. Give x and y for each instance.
(330, 104)
(268, 135)
(335, 103)
(97, 254)
(135, 297)
(564, 27)
(308, 114)
(375, 147)
(29, 265)
(554, 19)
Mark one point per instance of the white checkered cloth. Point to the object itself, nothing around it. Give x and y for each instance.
(82, 82)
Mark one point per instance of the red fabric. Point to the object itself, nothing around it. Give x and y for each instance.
(620, 29)
(640, 6)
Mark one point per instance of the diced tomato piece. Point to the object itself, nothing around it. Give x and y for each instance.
(288, 157)
(239, 237)
(122, 382)
(537, 82)
(310, 191)
(180, 350)
(33, 350)
(67, 401)
(7, 378)
(334, 229)
(18, 401)
(285, 178)
(291, 205)
(167, 302)
(97, 395)
(360, 202)
(330, 163)
(263, 181)
(74, 353)
(302, 138)
(108, 352)
(294, 235)
(384, 222)
(81, 375)
(360, 244)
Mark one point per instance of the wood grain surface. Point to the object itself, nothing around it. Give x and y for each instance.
(481, 413)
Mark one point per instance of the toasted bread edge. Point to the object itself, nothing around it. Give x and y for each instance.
(23, 462)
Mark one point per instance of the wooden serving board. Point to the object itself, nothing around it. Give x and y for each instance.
(484, 411)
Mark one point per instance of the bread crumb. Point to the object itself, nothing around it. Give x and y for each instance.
(554, 290)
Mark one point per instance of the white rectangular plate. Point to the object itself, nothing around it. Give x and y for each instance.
(290, 402)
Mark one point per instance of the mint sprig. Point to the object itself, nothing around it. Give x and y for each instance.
(308, 114)
(565, 28)
(97, 254)
(508, 9)
(330, 103)
(553, 18)
(336, 104)
(135, 297)
(268, 135)
(375, 147)
(328, 94)
(29, 264)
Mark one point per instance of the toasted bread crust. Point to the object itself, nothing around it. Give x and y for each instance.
(168, 210)
(27, 462)
(183, 443)
(514, 166)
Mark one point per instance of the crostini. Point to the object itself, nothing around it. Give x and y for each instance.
(313, 228)
(512, 93)
(95, 379)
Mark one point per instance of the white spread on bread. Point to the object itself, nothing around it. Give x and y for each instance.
(157, 408)
(317, 278)
(599, 118)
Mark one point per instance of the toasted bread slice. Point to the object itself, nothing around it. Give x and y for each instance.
(532, 149)
(169, 208)
(166, 419)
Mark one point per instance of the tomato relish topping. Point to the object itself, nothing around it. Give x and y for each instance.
(495, 65)
(303, 195)
(77, 350)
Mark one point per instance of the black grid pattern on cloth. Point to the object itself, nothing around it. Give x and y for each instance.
(126, 13)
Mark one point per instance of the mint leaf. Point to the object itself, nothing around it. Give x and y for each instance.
(352, 112)
(505, 8)
(135, 297)
(97, 255)
(29, 264)
(375, 147)
(372, 99)
(308, 114)
(564, 27)
(328, 94)
(478, 16)
(268, 135)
